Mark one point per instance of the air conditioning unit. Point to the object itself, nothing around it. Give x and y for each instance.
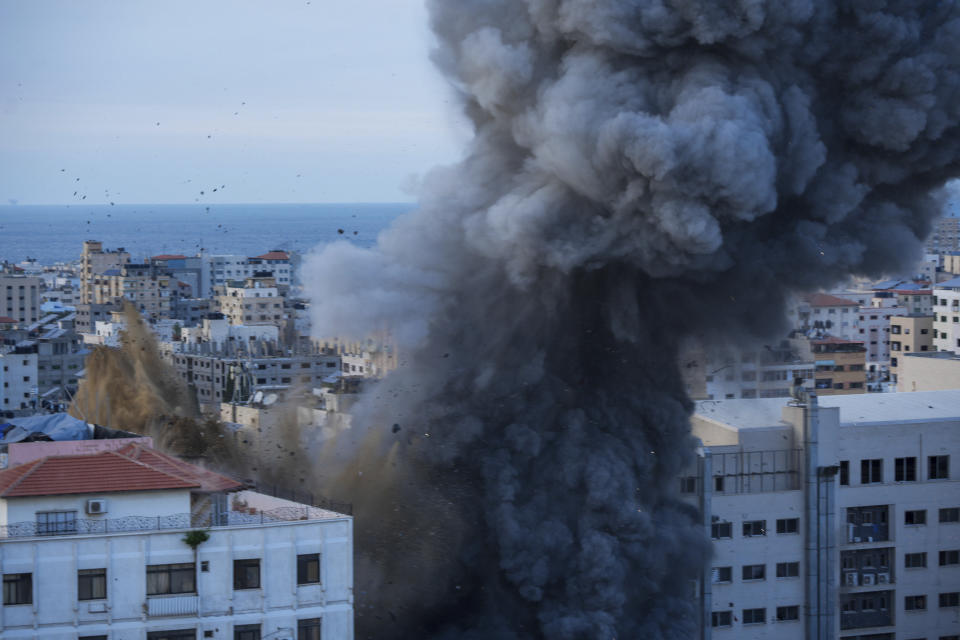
(883, 578)
(869, 579)
(95, 507)
(850, 579)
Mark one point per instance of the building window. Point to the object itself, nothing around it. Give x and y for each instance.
(51, 523)
(176, 634)
(915, 603)
(752, 528)
(308, 629)
(722, 574)
(718, 484)
(845, 472)
(905, 469)
(754, 616)
(91, 584)
(951, 514)
(871, 471)
(949, 557)
(938, 467)
(915, 517)
(721, 530)
(164, 579)
(688, 484)
(785, 614)
(915, 560)
(308, 568)
(246, 574)
(951, 599)
(788, 525)
(754, 572)
(18, 588)
(788, 569)
(721, 618)
(246, 632)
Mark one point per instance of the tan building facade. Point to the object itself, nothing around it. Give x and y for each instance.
(94, 261)
(908, 334)
(257, 301)
(839, 366)
(146, 287)
(931, 371)
(20, 298)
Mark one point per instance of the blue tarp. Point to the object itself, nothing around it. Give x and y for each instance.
(58, 426)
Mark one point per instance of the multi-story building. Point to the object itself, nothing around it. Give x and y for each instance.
(827, 314)
(946, 315)
(94, 261)
(276, 263)
(874, 330)
(219, 270)
(149, 288)
(253, 301)
(839, 365)
(930, 371)
(917, 301)
(185, 269)
(830, 519)
(20, 297)
(18, 378)
(764, 373)
(908, 334)
(946, 234)
(130, 544)
(88, 315)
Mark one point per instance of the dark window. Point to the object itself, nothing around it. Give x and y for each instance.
(949, 557)
(176, 634)
(938, 467)
(845, 472)
(246, 574)
(723, 574)
(951, 514)
(753, 528)
(788, 525)
(915, 603)
(308, 629)
(788, 569)
(688, 484)
(91, 584)
(720, 530)
(718, 484)
(915, 560)
(915, 517)
(246, 632)
(51, 523)
(308, 568)
(905, 469)
(721, 618)
(91, 637)
(788, 613)
(871, 471)
(754, 572)
(18, 588)
(951, 599)
(754, 616)
(164, 579)
(204, 565)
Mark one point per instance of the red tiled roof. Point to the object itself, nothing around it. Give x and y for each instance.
(274, 255)
(208, 480)
(7, 320)
(104, 472)
(168, 256)
(826, 300)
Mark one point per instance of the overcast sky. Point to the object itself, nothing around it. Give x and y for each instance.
(319, 101)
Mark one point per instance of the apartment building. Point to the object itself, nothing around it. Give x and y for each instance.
(767, 372)
(20, 297)
(839, 365)
(874, 330)
(945, 237)
(908, 334)
(148, 287)
(946, 312)
(94, 261)
(219, 270)
(255, 301)
(828, 314)
(835, 517)
(130, 544)
(18, 378)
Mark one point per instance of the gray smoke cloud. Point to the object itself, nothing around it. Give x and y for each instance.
(642, 171)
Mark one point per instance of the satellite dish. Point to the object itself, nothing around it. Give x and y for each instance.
(269, 399)
(258, 397)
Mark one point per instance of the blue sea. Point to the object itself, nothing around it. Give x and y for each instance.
(55, 233)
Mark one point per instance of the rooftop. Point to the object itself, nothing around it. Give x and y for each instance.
(168, 256)
(855, 409)
(834, 340)
(937, 355)
(948, 284)
(273, 255)
(827, 300)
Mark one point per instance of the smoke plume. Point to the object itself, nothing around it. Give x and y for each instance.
(641, 171)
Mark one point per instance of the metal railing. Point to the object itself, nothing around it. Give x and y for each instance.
(304, 497)
(85, 526)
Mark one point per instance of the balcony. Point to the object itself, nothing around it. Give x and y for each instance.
(172, 606)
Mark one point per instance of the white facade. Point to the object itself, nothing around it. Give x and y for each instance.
(219, 331)
(946, 315)
(18, 380)
(279, 602)
(218, 270)
(820, 517)
(874, 330)
(20, 297)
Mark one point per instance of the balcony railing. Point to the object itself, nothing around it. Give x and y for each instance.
(164, 523)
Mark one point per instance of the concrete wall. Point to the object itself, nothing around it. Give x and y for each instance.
(925, 373)
(119, 505)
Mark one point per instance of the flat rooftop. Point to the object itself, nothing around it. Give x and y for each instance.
(936, 355)
(864, 408)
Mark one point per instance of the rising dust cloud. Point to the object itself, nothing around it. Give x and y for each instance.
(641, 172)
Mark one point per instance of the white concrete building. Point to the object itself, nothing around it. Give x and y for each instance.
(763, 373)
(135, 545)
(946, 312)
(218, 270)
(19, 379)
(827, 314)
(838, 520)
(874, 330)
(20, 297)
(218, 331)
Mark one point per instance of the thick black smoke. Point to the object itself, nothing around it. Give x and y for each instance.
(641, 171)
